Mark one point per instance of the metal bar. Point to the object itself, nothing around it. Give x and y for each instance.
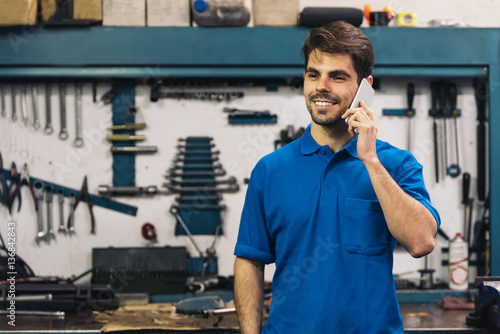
(96, 200)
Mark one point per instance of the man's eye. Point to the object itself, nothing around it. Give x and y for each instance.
(312, 75)
(338, 78)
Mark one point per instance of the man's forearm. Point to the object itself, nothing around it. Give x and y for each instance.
(408, 220)
(249, 294)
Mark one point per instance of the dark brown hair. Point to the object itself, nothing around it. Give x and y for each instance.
(342, 38)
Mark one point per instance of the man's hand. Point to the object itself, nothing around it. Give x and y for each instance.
(363, 121)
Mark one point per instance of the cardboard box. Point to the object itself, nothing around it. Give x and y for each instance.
(48, 9)
(275, 13)
(168, 13)
(124, 13)
(87, 10)
(18, 12)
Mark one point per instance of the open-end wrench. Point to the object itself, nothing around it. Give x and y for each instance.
(13, 116)
(78, 114)
(48, 109)
(38, 189)
(60, 200)
(36, 119)
(2, 100)
(71, 220)
(48, 192)
(63, 134)
(24, 105)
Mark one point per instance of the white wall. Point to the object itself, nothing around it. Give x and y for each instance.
(241, 146)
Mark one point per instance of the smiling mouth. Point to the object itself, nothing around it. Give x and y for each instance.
(323, 103)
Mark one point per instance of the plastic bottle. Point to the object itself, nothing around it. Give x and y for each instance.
(210, 13)
(459, 263)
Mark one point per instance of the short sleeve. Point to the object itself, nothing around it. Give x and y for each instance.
(410, 178)
(254, 241)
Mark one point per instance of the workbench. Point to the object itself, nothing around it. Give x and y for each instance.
(417, 318)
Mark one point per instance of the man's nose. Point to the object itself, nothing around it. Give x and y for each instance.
(322, 85)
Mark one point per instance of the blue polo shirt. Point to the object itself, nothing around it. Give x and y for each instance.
(315, 214)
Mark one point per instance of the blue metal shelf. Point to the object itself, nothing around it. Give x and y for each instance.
(150, 52)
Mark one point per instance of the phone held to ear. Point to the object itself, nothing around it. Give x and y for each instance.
(365, 93)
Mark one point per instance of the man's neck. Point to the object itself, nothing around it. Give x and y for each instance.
(335, 137)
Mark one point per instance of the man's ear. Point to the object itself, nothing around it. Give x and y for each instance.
(370, 79)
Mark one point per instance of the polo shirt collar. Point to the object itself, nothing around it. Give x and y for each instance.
(308, 145)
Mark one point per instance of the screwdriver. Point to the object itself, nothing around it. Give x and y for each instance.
(434, 94)
(465, 201)
(410, 94)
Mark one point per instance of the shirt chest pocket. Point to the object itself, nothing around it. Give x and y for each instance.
(364, 230)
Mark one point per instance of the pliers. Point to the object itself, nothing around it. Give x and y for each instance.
(14, 179)
(25, 179)
(84, 194)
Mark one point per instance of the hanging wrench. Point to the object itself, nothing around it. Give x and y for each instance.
(71, 220)
(63, 134)
(36, 120)
(13, 116)
(60, 200)
(48, 191)
(38, 189)
(48, 110)
(24, 105)
(2, 99)
(78, 114)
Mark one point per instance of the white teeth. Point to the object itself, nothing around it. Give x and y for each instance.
(319, 103)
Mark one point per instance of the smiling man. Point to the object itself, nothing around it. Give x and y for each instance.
(329, 208)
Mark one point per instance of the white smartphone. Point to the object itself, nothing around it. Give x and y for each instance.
(365, 93)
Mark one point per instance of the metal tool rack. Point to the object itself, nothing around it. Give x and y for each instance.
(263, 52)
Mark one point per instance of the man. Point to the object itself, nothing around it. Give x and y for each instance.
(329, 208)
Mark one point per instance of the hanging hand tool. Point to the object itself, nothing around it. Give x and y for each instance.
(219, 172)
(232, 188)
(78, 114)
(14, 179)
(188, 153)
(71, 217)
(481, 94)
(195, 166)
(40, 235)
(63, 134)
(4, 190)
(25, 179)
(434, 97)
(34, 104)
(465, 201)
(187, 182)
(410, 94)
(60, 200)
(443, 107)
(2, 100)
(24, 105)
(48, 191)
(134, 149)
(13, 116)
(127, 191)
(454, 170)
(48, 109)
(130, 126)
(125, 137)
(84, 195)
